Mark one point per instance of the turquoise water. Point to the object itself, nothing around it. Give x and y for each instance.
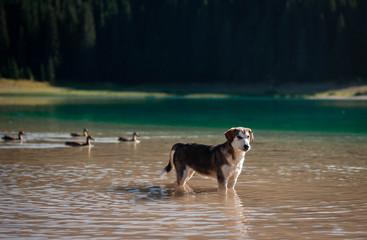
(261, 114)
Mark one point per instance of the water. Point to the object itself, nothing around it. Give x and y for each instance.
(265, 113)
(295, 184)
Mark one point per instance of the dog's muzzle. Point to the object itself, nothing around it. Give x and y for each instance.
(246, 147)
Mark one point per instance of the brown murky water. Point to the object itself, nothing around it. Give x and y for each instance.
(293, 186)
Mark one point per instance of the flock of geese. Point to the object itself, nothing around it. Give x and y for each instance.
(134, 138)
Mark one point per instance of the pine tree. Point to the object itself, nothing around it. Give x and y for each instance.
(4, 36)
(200, 44)
(320, 58)
(14, 71)
(283, 50)
(51, 71)
(88, 27)
(302, 52)
(340, 59)
(225, 51)
(43, 73)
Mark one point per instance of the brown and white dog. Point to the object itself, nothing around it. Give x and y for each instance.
(223, 162)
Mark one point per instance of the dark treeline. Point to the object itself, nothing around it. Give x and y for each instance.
(159, 41)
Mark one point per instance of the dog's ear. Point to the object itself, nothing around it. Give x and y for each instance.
(229, 134)
(251, 135)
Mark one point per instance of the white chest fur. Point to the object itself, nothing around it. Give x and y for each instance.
(234, 167)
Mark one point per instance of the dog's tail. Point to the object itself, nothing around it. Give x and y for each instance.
(170, 164)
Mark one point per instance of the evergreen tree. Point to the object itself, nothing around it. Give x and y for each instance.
(340, 59)
(51, 70)
(225, 49)
(43, 73)
(200, 43)
(88, 27)
(4, 36)
(302, 51)
(320, 58)
(283, 51)
(133, 42)
(13, 69)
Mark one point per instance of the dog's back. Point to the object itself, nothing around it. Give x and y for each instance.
(196, 156)
(201, 158)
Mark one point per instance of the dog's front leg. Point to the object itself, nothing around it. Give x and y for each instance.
(232, 182)
(222, 181)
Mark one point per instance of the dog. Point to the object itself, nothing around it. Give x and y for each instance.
(223, 162)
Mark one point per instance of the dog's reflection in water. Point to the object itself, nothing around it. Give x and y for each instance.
(162, 191)
(227, 205)
(150, 191)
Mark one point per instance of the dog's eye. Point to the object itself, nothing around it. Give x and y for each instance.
(248, 136)
(239, 137)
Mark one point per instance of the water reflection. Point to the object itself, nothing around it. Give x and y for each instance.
(202, 210)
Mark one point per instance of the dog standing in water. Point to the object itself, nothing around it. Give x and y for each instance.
(223, 162)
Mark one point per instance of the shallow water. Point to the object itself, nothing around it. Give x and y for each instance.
(294, 185)
(306, 180)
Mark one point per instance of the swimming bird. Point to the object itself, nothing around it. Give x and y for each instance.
(10, 138)
(84, 134)
(133, 139)
(80, 144)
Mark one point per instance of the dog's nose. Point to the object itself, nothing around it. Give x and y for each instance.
(246, 147)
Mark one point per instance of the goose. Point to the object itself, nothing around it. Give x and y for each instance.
(85, 133)
(10, 138)
(80, 144)
(133, 139)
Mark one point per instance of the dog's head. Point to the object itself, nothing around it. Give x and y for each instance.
(240, 138)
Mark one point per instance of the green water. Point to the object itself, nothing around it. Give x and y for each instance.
(260, 114)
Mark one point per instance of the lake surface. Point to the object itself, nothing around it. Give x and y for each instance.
(305, 177)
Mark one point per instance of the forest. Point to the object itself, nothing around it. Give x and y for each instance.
(131, 42)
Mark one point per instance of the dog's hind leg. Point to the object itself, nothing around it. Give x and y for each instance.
(190, 174)
(183, 175)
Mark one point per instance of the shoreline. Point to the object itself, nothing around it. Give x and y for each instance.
(327, 91)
